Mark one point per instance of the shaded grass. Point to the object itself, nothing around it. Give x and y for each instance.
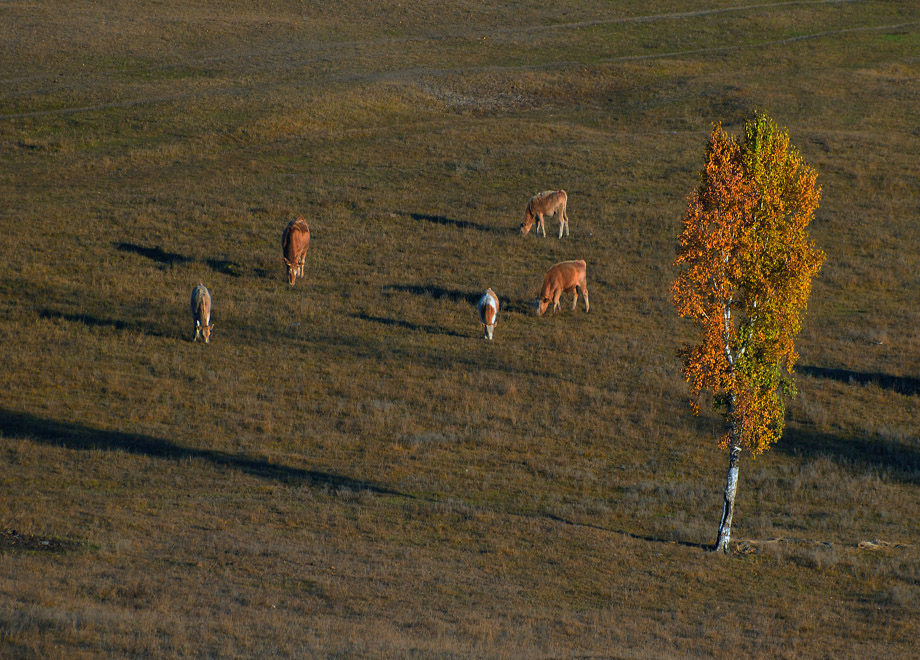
(75, 436)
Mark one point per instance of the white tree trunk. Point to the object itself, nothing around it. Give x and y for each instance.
(728, 503)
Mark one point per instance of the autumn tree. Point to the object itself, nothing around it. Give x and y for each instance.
(745, 264)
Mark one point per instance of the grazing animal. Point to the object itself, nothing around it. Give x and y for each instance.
(547, 203)
(201, 312)
(565, 276)
(295, 240)
(488, 312)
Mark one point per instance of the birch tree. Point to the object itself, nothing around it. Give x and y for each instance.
(746, 263)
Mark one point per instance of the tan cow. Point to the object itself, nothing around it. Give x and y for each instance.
(565, 276)
(295, 240)
(488, 312)
(201, 312)
(547, 203)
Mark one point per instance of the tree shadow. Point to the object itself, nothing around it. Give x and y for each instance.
(154, 253)
(900, 384)
(460, 224)
(632, 535)
(414, 327)
(81, 437)
(889, 456)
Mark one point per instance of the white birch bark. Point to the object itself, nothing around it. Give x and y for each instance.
(728, 501)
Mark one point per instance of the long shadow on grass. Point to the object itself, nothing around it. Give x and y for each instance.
(92, 321)
(222, 266)
(460, 224)
(225, 267)
(154, 253)
(637, 537)
(455, 295)
(900, 384)
(233, 269)
(414, 327)
(436, 292)
(78, 436)
(889, 456)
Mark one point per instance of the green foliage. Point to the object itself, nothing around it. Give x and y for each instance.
(747, 264)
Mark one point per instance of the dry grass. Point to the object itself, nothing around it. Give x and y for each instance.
(348, 470)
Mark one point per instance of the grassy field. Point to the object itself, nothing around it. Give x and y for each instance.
(348, 469)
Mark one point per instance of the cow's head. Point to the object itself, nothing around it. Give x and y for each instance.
(528, 222)
(203, 331)
(541, 304)
(292, 271)
(488, 326)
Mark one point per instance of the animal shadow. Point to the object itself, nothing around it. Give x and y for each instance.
(508, 305)
(91, 321)
(225, 267)
(157, 254)
(414, 327)
(436, 292)
(154, 253)
(518, 306)
(900, 384)
(460, 224)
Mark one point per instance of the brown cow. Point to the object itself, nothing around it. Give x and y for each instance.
(549, 203)
(565, 276)
(488, 312)
(201, 312)
(295, 240)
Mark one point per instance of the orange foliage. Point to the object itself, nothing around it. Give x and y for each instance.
(746, 265)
